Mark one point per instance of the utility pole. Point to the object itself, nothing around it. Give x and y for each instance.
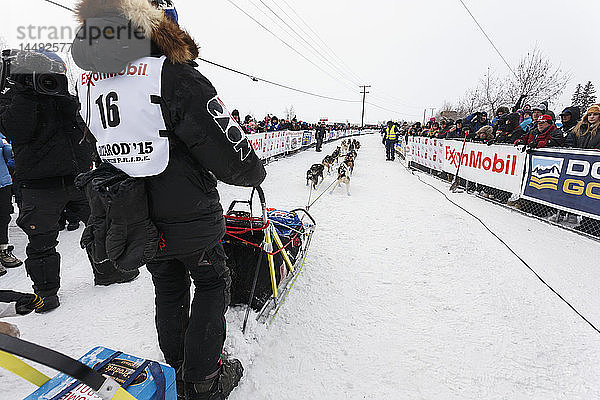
(364, 93)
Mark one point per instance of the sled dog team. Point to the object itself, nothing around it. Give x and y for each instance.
(347, 151)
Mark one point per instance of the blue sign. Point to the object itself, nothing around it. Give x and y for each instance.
(143, 386)
(307, 138)
(565, 179)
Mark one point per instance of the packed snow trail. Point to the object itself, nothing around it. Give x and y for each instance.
(403, 296)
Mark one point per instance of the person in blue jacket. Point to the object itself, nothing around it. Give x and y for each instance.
(7, 259)
(477, 120)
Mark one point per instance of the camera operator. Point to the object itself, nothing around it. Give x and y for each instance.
(40, 118)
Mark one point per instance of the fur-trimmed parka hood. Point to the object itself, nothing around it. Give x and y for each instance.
(99, 16)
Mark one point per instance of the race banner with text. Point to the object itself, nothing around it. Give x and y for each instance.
(257, 141)
(498, 166)
(427, 152)
(294, 141)
(270, 144)
(564, 179)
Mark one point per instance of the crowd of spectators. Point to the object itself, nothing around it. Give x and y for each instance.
(528, 128)
(271, 123)
(532, 127)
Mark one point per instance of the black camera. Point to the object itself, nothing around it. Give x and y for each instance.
(45, 73)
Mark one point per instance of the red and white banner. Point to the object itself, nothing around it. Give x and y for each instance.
(426, 151)
(269, 144)
(258, 141)
(498, 166)
(294, 140)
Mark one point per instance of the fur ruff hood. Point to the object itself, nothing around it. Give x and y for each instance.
(175, 43)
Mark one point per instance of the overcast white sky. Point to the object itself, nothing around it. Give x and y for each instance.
(415, 54)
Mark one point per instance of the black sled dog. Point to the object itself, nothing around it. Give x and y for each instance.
(313, 174)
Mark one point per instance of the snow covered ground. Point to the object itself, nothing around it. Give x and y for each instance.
(403, 296)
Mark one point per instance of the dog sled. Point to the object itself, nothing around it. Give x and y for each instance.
(265, 253)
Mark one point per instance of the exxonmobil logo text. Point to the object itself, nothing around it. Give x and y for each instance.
(129, 70)
(477, 160)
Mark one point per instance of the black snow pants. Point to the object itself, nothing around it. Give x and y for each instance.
(390, 152)
(6, 210)
(43, 201)
(319, 143)
(192, 339)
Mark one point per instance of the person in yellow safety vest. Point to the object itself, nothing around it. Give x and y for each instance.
(390, 138)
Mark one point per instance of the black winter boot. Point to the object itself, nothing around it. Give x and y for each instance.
(116, 276)
(219, 387)
(50, 303)
(105, 273)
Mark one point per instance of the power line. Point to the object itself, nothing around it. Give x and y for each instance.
(389, 110)
(488, 38)
(281, 40)
(339, 62)
(256, 79)
(322, 41)
(283, 29)
(60, 5)
(390, 99)
(331, 64)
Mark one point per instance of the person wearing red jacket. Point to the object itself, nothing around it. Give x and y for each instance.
(541, 136)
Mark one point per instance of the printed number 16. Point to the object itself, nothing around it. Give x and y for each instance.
(114, 119)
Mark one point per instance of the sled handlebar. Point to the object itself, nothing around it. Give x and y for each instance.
(263, 202)
(261, 198)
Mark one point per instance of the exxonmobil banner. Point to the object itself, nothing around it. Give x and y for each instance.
(497, 166)
(565, 179)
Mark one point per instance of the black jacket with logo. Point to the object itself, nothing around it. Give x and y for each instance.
(206, 144)
(184, 202)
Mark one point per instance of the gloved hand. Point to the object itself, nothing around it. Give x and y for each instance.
(490, 142)
(519, 142)
(533, 145)
(132, 238)
(27, 303)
